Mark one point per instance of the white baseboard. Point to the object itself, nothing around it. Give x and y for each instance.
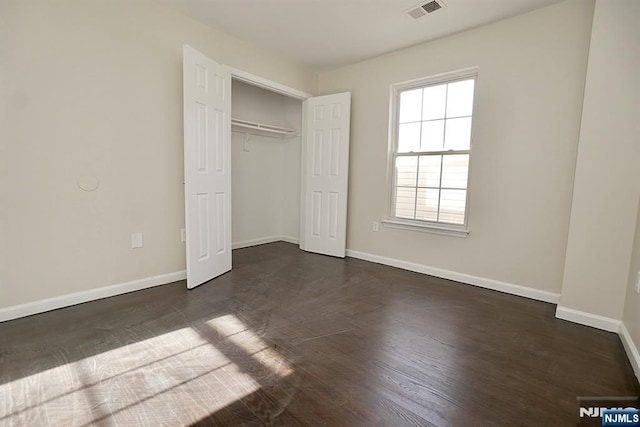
(41, 306)
(482, 282)
(588, 319)
(290, 239)
(255, 242)
(631, 349)
(263, 240)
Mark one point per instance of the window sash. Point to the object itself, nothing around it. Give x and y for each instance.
(438, 209)
(437, 120)
(432, 153)
(397, 90)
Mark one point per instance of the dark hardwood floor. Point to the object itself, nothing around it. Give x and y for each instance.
(291, 338)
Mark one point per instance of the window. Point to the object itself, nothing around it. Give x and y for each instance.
(431, 149)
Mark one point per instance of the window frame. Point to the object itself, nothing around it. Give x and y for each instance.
(392, 221)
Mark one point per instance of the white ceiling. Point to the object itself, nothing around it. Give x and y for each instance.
(330, 33)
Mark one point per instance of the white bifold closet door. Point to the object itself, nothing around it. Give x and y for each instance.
(326, 157)
(207, 166)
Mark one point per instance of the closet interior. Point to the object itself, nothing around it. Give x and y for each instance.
(265, 165)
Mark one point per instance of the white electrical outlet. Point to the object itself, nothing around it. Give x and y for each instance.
(638, 283)
(137, 240)
(183, 235)
(375, 226)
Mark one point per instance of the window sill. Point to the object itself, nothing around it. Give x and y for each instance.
(426, 228)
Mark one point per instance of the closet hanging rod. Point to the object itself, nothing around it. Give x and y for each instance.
(264, 127)
(246, 133)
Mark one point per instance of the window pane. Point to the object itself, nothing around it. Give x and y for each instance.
(452, 204)
(435, 120)
(432, 136)
(406, 171)
(455, 169)
(429, 175)
(460, 98)
(409, 137)
(405, 202)
(434, 101)
(458, 134)
(427, 204)
(410, 106)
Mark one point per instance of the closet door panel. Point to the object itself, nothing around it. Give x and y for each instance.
(207, 164)
(326, 161)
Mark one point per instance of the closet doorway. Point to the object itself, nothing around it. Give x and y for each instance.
(263, 162)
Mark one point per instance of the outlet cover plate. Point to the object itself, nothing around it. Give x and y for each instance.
(137, 240)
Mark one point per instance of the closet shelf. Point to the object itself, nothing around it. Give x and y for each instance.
(263, 129)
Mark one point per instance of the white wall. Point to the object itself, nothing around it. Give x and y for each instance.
(525, 133)
(631, 316)
(265, 170)
(607, 181)
(291, 152)
(95, 88)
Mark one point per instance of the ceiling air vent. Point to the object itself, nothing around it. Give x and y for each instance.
(422, 9)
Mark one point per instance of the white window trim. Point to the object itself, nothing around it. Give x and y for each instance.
(417, 225)
(426, 227)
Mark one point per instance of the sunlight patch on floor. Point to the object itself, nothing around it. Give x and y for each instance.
(146, 382)
(232, 329)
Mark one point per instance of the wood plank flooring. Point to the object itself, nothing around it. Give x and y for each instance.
(291, 338)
